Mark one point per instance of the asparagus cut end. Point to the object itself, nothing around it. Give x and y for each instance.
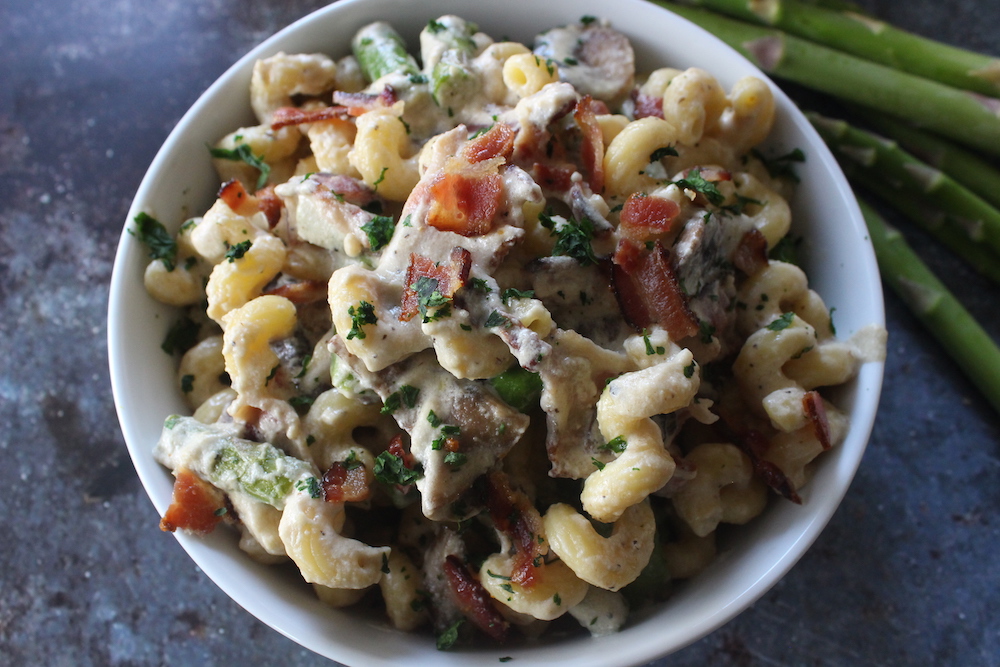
(766, 52)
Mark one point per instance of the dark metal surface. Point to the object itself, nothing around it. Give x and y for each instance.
(905, 574)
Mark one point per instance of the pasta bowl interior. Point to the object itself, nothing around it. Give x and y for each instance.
(470, 285)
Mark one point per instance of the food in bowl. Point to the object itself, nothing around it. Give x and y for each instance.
(497, 337)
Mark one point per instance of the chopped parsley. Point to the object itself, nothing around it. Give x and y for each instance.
(305, 366)
(649, 346)
(705, 331)
(617, 444)
(243, 153)
(434, 27)
(433, 419)
(181, 337)
(406, 395)
(447, 639)
(381, 177)
(696, 182)
(782, 165)
(417, 79)
(479, 285)
(237, 251)
(364, 314)
(455, 459)
(557, 600)
(389, 469)
(660, 153)
(597, 464)
(495, 319)
(587, 19)
(302, 403)
(573, 238)
(155, 236)
(429, 297)
(781, 323)
(689, 370)
(310, 485)
(786, 250)
(511, 293)
(187, 384)
(352, 461)
(379, 231)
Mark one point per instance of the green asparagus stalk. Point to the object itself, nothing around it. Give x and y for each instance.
(980, 220)
(976, 354)
(446, 45)
(232, 464)
(870, 39)
(954, 113)
(962, 165)
(927, 216)
(380, 50)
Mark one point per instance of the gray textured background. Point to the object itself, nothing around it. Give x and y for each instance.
(907, 572)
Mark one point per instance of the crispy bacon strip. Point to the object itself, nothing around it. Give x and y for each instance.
(750, 255)
(359, 103)
(644, 217)
(286, 116)
(555, 178)
(647, 105)
(466, 201)
(514, 515)
(301, 292)
(648, 292)
(592, 155)
(473, 600)
(450, 278)
(755, 444)
(243, 203)
(196, 505)
(498, 141)
(346, 485)
(815, 411)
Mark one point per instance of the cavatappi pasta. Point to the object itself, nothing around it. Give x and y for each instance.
(495, 338)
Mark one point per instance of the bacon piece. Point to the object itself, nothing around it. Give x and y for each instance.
(648, 292)
(359, 103)
(644, 217)
(473, 600)
(396, 448)
(647, 105)
(750, 255)
(243, 203)
(286, 116)
(815, 411)
(450, 277)
(592, 155)
(196, 505)
(346, 485)
(755, 444)
(301, 292)
(515, 516)
(498, 141)
(269, 204)
(555, 178)
(465, 201)
(237, 198)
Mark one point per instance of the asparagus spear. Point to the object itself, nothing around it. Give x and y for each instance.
(230, 463)
(380, 50)
(928, 217)
(963, 165)
(981, 221)
(976, 354)
(871, 39)
(951, 112)
(446, 45)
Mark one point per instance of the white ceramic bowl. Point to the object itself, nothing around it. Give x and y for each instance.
(836, 252)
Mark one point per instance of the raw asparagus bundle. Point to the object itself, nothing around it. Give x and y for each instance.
(955, 113)
(866, 37)
(936, 307)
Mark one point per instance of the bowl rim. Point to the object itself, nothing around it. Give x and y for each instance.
(636, 643)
